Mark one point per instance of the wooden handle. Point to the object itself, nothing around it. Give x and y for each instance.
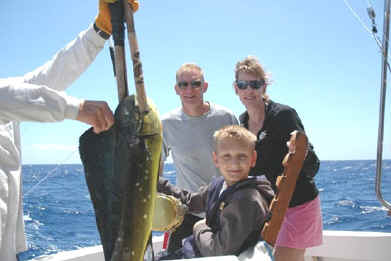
(120, 67)
(135, 54)
(286, 183)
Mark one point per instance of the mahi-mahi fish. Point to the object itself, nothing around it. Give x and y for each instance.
(121, 168)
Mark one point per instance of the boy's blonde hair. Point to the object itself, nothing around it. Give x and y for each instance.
(237, 133)
(189, 67)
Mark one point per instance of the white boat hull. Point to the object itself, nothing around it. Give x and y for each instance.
(337, 246)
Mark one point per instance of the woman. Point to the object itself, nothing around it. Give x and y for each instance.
(272, 123)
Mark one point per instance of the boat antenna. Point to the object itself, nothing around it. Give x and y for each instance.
(379, 157)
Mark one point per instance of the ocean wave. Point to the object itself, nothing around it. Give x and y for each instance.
(27, 217)
(371, 209)
(346, 202)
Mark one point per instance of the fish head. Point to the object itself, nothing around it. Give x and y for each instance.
(128, 119)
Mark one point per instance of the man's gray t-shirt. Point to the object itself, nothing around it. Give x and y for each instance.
(190, 142)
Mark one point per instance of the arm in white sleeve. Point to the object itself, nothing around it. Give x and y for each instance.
(69, 63)
(28, 102)
(31, 98)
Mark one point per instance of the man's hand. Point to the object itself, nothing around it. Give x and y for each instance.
(103, 19)
(97, 114)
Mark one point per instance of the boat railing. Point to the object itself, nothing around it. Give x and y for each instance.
(385, 65)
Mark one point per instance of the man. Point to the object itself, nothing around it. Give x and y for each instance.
(37, 96)
(188, 135)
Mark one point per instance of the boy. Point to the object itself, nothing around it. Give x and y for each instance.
(236, 205)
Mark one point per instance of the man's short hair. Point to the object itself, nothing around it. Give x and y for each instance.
(189, 67)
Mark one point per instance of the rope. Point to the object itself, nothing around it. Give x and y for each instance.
(50, 173)
(373, 32)
(357, 16)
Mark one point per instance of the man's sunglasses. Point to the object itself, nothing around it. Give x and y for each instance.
(255, 85)
(194, 84)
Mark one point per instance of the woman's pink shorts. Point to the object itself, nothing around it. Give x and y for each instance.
(302, 226)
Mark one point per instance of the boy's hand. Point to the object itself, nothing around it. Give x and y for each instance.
(103, 19)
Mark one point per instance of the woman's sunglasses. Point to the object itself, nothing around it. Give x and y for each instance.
(255, 85)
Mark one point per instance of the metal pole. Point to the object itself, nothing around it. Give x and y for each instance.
(386, 30)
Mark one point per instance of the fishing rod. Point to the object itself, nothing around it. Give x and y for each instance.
(118, 34)
(379, 158)
(118, 15)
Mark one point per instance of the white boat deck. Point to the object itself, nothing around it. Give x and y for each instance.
(337, 246)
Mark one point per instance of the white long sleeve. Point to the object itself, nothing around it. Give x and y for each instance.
(36, 96)
(30, 102)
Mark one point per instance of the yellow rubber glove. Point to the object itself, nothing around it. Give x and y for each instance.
(103, 19)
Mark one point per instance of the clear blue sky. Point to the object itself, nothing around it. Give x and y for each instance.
(323, 63)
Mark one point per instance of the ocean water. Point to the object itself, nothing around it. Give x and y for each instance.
(59, 216)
